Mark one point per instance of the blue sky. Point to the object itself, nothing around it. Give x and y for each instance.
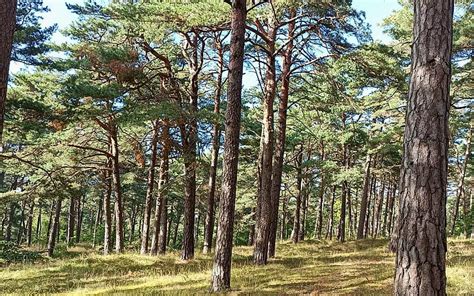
(375, 10)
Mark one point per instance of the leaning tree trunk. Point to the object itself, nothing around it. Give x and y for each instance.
(7, 25)
(54, 227)
(222, 260)
(210, 213)
(420, 235)
(149, 190)
(280, 136)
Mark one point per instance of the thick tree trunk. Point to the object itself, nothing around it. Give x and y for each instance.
(54, 227)
(378, 213)
(262, 227)
(29, 223)
(7, 25)
(364, 200)
(421, 228)
(222, 260)
(210, 216)
(280, 138)
(10, 217)
(149, 190)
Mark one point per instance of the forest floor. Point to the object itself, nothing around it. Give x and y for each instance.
(312, 267)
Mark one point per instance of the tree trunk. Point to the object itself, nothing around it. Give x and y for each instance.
(107, 210)
(210, 213)
(190, 136)
(222, 259)
(29, 224)
(279, 152)
(299, 184)
(331, 214)
(149, 190)
(378, 212)
(38, 224)
(54, 227)
(119, 236)
(319, 226)
(460, 190)
(364, 199)
(80, 215)
(11, 216)
(70, 221)
(98, 217)
(420, 235)
(7, 25)
(158, 243)
(262, 227)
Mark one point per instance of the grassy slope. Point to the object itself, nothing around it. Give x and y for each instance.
(317, 268)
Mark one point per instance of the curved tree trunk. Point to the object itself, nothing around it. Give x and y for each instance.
(420, 240)
(222, 260)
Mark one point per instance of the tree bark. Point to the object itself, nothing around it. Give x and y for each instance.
(460, 190)
(331, 214)
(71, 220)
(80, 215)
(160, 221)
(364, 199)
(222, 260)
(149, 190)
(119, 236)
(54, 227)
(295, 234)
(262, 227)
(107, 210)
(7, 25)
(210, 216)
(279, 152)
(420, 236)
(319, 226)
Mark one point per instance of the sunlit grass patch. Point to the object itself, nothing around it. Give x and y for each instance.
(312, 267)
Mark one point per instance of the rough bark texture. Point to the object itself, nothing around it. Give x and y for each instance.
(319, 227)
(210, 216)
(262, 227)
(7, 25)
(149, 191)
(420, 240)
(222, 260)
(279, 152)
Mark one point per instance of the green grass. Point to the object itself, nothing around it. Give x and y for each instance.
(314, 267)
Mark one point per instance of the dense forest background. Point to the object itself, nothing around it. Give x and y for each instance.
(114, 138)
